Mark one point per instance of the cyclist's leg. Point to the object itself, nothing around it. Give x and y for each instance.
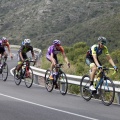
(2, 50)
(5, 55)
(19, 65)
(52, 66)
(93, 68)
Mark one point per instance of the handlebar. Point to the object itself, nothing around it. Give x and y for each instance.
(106, 69)
(58, 65)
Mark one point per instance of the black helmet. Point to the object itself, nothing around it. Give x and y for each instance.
(102, 39)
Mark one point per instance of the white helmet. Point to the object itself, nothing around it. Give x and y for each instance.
(27, 41)
(4, 38)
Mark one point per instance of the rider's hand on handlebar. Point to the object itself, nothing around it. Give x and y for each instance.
(100, 67)
(23, 60)
(69, 65)
(115, 68)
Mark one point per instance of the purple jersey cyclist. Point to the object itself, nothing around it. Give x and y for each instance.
(52, 52)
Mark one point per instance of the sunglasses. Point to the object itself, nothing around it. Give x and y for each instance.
(103, 43)
(27, 44)
(57, 45)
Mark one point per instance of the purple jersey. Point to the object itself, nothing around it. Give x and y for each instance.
(54, 50)
(0, 42)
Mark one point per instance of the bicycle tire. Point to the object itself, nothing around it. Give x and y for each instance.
(62, 83)
(5, 71)
(17, 79)
(29, 78)
(84, 88)
(49, 85)
(107, 99)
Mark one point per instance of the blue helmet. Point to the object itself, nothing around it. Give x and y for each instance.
(23, 43)
(56, 42)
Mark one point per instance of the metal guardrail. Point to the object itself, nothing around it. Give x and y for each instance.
(72, 79)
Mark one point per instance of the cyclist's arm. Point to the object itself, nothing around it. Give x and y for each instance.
(65, 58)
(94, 54)
(21, 56)
(110, 60)
(108, 56)
(95, 60)
(8, 47)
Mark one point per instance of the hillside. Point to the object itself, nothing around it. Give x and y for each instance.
(70, 21)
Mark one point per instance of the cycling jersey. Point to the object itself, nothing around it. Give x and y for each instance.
(4, 44)
(95, 50)
(23, 49)
(54, 50)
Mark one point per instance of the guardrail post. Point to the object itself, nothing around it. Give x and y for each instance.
(118, 98)
(36, 79)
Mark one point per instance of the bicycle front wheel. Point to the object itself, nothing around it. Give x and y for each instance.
(63, 83)
(48, 83)
(84, 88)
(107, 91)
(4, 71)
(17, 77)
(28, 77)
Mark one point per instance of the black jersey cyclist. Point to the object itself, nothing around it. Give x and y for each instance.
(22, 53)
(93, 61)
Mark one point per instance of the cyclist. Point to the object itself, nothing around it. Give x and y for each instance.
(4, 43)
(26, 47)
(93, 61)
(51, 55)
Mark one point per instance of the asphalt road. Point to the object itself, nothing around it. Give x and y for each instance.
(35, 103)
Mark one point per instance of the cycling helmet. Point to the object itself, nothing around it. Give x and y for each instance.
(27, 42)
(4, 40)
(102, 39)
(56, 42)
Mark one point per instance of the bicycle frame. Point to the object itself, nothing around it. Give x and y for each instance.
(102, 78)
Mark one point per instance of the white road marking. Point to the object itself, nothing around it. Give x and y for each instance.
(48, 107)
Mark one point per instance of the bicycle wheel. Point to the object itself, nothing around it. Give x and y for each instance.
(107, 91)
(84, 88)
(62, 83)
(48, 83)
(4, 71)
(28, 78)
(17, 78)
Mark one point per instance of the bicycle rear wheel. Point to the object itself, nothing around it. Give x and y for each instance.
(107, 91)
(4, 71)
(63, 83)
(17, 77)
(48, 83)
(84, 88)
(28, 78)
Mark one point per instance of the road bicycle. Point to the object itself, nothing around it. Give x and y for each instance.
(4, 69)
(60, 80)
(104, 87)
(25, 73)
